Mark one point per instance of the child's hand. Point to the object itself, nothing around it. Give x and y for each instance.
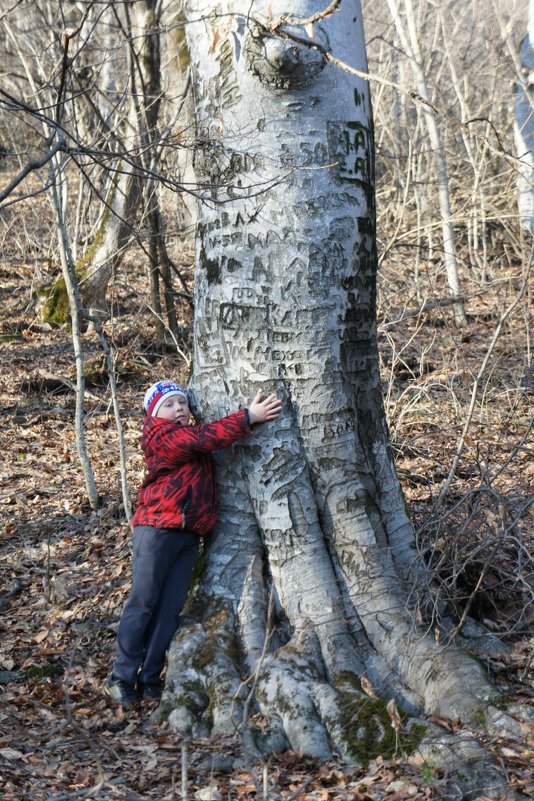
(260, 411)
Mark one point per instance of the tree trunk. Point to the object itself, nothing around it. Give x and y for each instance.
(311, 511)
(59, 199)
(113, 233)
(123, 111)
(409, 40)
(524, 127)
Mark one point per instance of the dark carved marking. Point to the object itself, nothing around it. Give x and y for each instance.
(234, 316)
(349, 144)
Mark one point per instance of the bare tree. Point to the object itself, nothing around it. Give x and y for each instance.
(109, 95)
(408, 36)
(312, 513)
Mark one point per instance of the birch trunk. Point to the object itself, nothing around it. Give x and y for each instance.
(311, 511)
(126, 115)
(140, 97)
(409, 40)
(524, 127)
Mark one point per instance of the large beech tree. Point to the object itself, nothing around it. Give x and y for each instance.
(310, 583)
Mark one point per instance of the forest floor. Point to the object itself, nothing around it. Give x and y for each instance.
(64, 569)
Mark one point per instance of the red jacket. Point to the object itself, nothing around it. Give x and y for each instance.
(179, 487)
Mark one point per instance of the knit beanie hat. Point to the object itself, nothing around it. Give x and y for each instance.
(157, 393)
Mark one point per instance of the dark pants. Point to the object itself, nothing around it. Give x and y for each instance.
(163, 561)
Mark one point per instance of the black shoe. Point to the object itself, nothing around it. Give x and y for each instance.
(151, 692)
(120, 691)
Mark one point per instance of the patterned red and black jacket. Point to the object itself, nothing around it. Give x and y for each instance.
(179, 488)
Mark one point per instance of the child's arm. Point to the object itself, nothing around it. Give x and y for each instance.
(175, 444)
(261, 411)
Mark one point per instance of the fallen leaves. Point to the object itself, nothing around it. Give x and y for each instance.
(65, 573)
(11, 753)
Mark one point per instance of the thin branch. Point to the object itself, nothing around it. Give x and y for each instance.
(275, 27)
(8, 11)
(35, 164)
(288, 19)
(118, 421)
(102, 157)
(474, 391)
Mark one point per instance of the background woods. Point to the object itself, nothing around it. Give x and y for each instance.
(96, 185)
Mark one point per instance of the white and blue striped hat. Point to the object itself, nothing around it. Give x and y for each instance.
(157, 393)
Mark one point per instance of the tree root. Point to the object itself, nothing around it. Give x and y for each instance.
(303, 708)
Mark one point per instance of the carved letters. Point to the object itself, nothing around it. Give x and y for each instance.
(349, 144)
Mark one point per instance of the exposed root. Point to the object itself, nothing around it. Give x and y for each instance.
(465, 760)
(203, 692)
(305, 708)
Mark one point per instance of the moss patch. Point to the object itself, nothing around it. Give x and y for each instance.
(41, 671)
(367, 729)
(54, 302)
(192, 697)
(205, 655)
(53, 297)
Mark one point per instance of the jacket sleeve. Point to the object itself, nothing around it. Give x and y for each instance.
(177, 444)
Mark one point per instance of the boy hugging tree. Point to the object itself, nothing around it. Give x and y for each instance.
(177, 505)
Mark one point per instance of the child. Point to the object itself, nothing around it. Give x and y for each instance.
(177, 504)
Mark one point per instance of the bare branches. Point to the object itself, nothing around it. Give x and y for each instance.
(330, 9)
(277, 28)
(476, 384)
(34, 164)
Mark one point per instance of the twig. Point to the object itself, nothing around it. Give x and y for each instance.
(184, 771)
(276, 28)
(118, 421)
(334, 6)
(265, 782)
(66, 38)
(474, 391)
(10, 9)
(36, 164)
(467, 608)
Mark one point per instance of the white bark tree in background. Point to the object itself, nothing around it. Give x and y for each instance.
(119, 109)
(524, 126)
(311, 511)
(108, 93)
(407, 33)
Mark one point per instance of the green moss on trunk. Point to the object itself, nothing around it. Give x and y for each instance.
(367, 729)
(53, 298)
(54, 303)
